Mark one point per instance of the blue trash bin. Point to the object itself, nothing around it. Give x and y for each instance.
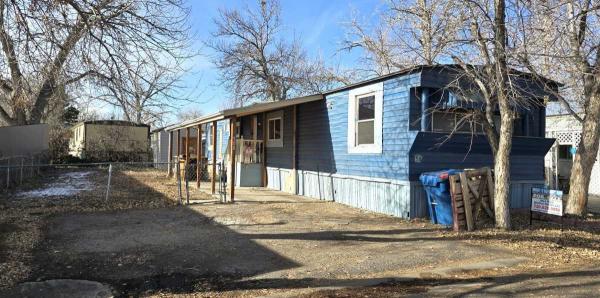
(439, 202)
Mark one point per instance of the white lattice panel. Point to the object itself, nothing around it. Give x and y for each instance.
(576, 138)
(563, 137)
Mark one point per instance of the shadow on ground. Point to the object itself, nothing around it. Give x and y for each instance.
(174, 249)
(278, 245)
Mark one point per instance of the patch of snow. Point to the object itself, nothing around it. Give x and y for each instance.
(67, 184)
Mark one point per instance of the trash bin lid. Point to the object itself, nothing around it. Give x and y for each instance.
(434, 178)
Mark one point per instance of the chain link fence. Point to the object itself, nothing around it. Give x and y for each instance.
(16, 170)
(127, 184)
(190, 175)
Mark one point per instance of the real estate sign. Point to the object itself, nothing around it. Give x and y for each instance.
(547, 201)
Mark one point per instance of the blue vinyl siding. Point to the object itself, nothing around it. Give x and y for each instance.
(432, 152)
(330, 148)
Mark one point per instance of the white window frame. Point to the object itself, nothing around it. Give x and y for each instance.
(377, 147)
(275, 143)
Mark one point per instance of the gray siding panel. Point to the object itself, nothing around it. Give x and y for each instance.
(281, 157)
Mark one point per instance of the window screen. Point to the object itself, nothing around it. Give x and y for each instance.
(365, 124)
(275, 129)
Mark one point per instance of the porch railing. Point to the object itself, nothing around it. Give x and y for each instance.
(249, 151)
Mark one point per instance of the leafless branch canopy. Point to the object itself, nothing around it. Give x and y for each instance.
(47, 44)
(257, 63)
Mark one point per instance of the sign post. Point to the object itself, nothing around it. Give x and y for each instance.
(546, 201)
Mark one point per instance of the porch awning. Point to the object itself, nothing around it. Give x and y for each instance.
(244, 111)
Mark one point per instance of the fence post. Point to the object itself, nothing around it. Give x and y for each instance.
(108, 184)
(187, 189)
(31, 168)
(7, 173)
(21, 172)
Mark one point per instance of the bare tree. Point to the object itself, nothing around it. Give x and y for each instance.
(189, 114)
(565, 34)
(46, 44)
(257, 63)
(146, 91)
(421, 32)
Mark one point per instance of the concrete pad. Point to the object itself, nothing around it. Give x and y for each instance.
(60, 288)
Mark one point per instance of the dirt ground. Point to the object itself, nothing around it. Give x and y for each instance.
(270, 244)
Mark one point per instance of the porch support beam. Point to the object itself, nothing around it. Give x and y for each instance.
(178, 143)
(198, 154)
(294, 145)
(170, 155)
(232, 145)
(264, 151)
(187, 148)
(213, 143)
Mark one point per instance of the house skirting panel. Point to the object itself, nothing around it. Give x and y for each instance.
(385, 196)
(405, 199)
(248, 174)
(280, 179)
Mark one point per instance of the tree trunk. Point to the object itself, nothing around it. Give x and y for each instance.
(585, 156)
(502, 159)
(502, 168)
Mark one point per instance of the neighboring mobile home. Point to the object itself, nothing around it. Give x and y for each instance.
(24, 140)
(366, 144)
(567, 132)
(110, 140)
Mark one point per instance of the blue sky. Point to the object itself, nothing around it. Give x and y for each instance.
(317, 24)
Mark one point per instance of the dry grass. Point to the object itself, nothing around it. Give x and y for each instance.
(22, 219)
(548, 245)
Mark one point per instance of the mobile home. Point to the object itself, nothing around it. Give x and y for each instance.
(366, 144)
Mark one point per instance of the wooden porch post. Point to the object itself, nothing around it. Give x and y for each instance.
(213, 179)
(232, 136)
(187, 146)
(170, 155)
(264, 152)
(198, 154)
(294, 153)
(178, 143)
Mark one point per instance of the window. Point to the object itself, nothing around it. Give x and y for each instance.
(445, 121)
(365, 124)
(564, 152)
(365, 119)
(275, 129)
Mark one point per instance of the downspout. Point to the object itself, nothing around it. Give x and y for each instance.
(425, 116)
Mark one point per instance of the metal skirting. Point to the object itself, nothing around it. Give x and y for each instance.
(397, 198)
(280, 179)
(520, 193)
(377, 195)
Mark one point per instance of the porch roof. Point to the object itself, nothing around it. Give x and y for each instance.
(244, 111)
